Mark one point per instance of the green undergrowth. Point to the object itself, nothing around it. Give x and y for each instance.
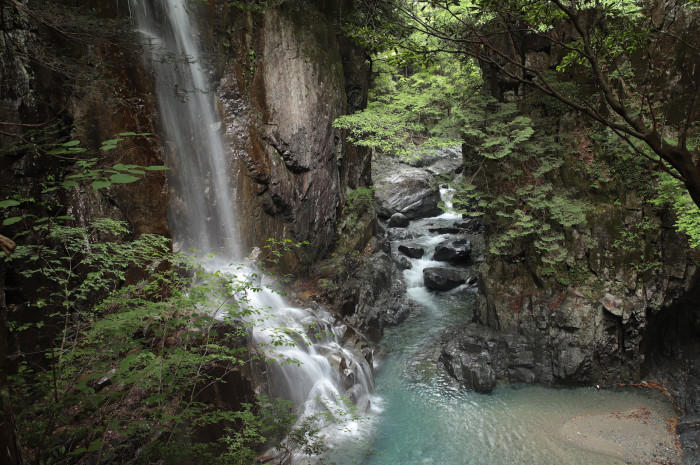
(123, 351)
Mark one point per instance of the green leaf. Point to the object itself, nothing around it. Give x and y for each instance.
(8, 203)
(128, 133)
(121, 178)
(100, 184)
(156, 168)
(95, 445)
(71, 143)
(12, 220)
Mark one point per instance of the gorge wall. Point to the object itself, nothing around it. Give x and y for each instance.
(281, 76)
(625, 308)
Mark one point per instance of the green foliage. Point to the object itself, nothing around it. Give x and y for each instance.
(672, 193)
(87, 169)
(359, 200)
(131, 364)
(149, 339)
(278, 248)
(84, 169)
(511, 186)
(414, 112)
(134, 339)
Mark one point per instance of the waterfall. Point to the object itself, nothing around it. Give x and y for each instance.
(202, 211)
(202, 216)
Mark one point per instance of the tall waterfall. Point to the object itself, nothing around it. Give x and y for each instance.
(203, 217)
(202, 211)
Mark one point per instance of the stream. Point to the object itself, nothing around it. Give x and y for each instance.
(424, 418)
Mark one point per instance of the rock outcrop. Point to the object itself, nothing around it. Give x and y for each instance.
(453, 251)
(477, 357)
(409, 191)
(289, 77)
(443, 279)
(629, 280)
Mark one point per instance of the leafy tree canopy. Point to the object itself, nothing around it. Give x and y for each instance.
(637, 62)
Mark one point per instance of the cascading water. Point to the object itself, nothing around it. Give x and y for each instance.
(427, 419)
(313, 369)
(202, 211)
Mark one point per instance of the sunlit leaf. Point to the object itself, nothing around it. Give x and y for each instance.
(122, 178)
(12, 220)
(8, 203)
(100, 184)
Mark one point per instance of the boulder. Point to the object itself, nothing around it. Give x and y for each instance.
(442, 279)
(445, 230)
(409, 191)
(476, 357)
(398, 220)
(470, 365)
(402, 262)
(411, 250)
(458, 251)
(376, 296)
(398, 234)
(444, 160)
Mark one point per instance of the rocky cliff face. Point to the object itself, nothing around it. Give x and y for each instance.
(617, 317)
(287, 75)
(281, 75)
(596, 329)
(57, 86)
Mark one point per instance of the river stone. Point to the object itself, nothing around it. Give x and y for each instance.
(409, 191)
(471, 366)
(398, 220)
(442, 279)
(402, 262)
(444, 230)
(399, 234)
(458, 251)
(411, 250)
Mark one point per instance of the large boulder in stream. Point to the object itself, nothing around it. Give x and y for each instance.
(375, 297)
(453, 251)
(411, 250)
(442, 279)
(476, 357)
(409, 191)
(398, 220)
(471, 367)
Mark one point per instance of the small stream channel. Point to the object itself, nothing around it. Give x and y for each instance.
(424, 418)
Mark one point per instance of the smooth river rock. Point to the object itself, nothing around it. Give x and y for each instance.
(442, 279)
(409, 191)
(411, 250)
(398, 220)
(453, 251)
